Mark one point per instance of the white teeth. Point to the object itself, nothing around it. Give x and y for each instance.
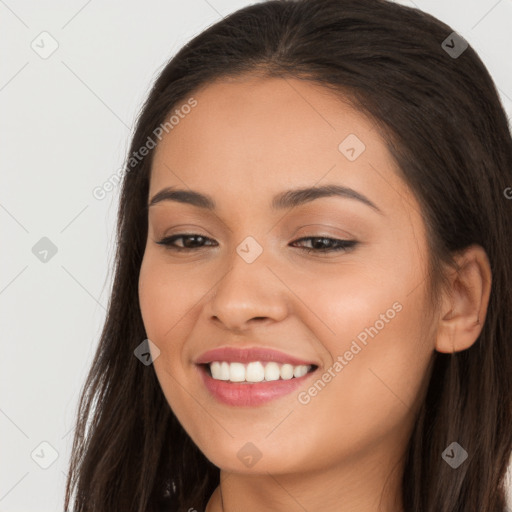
(272, 371)
(236, 372)
(220, 370)
(286, 371)
(299, 371)
(255, 371)
(224, 370)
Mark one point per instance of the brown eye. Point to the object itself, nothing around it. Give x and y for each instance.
(324, 244)
(191, 241)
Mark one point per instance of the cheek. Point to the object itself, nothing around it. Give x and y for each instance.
(166, 308)
(379, 346)
(152, 299)
(166, 303)
(370, 391)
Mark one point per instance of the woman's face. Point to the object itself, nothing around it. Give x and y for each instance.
(246, 280)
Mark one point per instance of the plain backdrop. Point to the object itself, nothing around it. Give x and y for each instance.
(73, 76)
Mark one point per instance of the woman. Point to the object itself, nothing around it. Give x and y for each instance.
(312, 301)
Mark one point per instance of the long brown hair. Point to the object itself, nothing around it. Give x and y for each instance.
(443, 122)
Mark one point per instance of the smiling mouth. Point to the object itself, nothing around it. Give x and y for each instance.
(255, 372)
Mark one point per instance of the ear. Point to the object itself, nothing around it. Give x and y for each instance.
(464, 304)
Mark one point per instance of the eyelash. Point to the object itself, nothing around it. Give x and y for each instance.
(342, 245)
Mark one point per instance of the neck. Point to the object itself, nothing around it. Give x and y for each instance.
(356, 486)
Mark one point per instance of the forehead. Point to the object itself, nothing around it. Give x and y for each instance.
(263, 135)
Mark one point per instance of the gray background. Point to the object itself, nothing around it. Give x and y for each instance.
(66, 124)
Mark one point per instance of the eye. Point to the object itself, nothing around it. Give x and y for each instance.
(324, 244)
(187, 246)
(192, 241)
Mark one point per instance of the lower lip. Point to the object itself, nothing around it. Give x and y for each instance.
(246, 394)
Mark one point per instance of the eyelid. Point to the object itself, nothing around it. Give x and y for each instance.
(187, 229)
(320, 227)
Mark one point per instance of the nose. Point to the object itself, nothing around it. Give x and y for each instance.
(248, 294)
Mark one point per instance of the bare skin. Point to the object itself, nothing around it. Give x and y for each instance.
(244, 142)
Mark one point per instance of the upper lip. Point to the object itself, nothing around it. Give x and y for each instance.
(246, 355)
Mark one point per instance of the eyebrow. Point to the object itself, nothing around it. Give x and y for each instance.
(283, 200)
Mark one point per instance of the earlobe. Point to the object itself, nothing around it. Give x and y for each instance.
(464, 305)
